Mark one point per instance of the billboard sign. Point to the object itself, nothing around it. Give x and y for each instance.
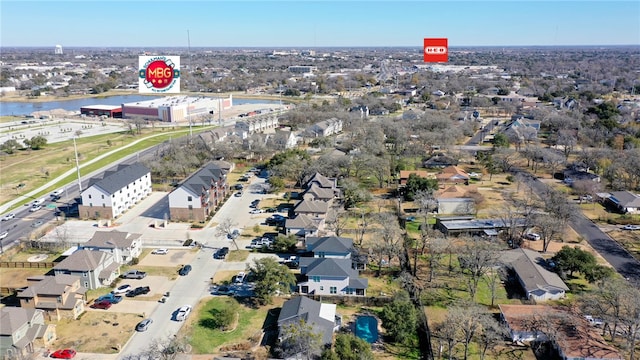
(159, 74)
(436, 50)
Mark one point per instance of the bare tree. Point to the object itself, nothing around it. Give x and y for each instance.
(226, 228)
(388, 243)
(338, 221)
(550, 227)
(300, 340)
(477, 257)
(62, 236)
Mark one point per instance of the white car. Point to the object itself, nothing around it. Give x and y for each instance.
(8, 217)
(56, 193)
(532, 236)
(240, 277)
(122, 289)
(183, 313)
(631, 227)
(256, 211)
(35, 208)
(3, 234)
(160, 251)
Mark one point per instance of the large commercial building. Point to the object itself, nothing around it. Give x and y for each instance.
(176, 108)
(112, 111)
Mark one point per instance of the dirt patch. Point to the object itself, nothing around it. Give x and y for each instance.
(174, 258)
(103, 333)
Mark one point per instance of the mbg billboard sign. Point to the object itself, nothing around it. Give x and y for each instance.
(159, 74)
(436, 50)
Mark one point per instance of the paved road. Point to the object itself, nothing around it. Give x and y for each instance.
(621, 260)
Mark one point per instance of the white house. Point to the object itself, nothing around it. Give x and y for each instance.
(324, 128)
(331, 276)
(123, 246)
(116, 192)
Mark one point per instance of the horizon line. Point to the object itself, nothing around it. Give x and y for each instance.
(309, 47)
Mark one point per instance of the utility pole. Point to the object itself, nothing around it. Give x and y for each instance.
(75, 149)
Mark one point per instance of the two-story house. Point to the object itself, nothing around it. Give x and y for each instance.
(324, 128)
(22, 331)
(330, 247)
(123, 246)
(95, 268)
(302, 225)
(315, 192)
(116, 192)
(330, 276)
(321, 317)
(311, 208)
(59, 296)
(199, 195)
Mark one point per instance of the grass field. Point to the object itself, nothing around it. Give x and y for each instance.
(103, 333)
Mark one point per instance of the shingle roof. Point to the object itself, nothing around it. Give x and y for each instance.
(82, 260)
(49, 285)
(112, 181)
(203, 179)
(320, 179)
(319, 193)
(328, 267)
(12, 318)
(301, 221)
(333, 244)
(112, 239)
(626, 198)
(535, 278)
(302, 307)
(452, 172)
(311, 206)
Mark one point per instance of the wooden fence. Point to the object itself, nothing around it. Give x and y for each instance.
(27, 265)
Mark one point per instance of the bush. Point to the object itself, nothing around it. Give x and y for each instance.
(510, 178)
(135, 261)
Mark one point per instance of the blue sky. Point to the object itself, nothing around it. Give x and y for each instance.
(238, 23)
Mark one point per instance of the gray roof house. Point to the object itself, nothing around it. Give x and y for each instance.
(95, 268)
(330, 247)
(23, 331)
(59, 296)
(331, 276)
(624, 201)
(303, 225)
(312, 208)
(324, 128)
(315, 192)
(321, 316)
(319, 180)
(116, 192)
(538, 283)
(200, 194)
(123, 246)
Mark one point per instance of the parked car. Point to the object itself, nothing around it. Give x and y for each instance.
(594, 321)
(221, 253)
(234, 234)
(4, 234)
(64, 354)
(141, 290)
(238, 194)
(35, 208)
(183, 313)
(112, 298)
(160, 251)
(255, 211)
(37, 223)
(185, 270)
(8, 217)
(122, 289)
(143, 325)
(239, 186)
(239, 279)
(102, 304)
(631, 227)
(224, 290)
(134, 274)
(57, 193)
(532, 236)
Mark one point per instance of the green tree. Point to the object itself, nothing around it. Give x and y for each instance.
(270, 278)
(399, 318)
(36, 142)
(574, 259)
(285, 243)
(500, 140)
(300, 339)
(276, 183)
(416, 183)
(351, 347)
(10, 146)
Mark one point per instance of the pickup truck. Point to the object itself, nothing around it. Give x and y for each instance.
(134, 274)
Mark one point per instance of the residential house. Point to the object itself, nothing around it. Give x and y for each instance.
(330, 276)
(123, 246)
(213, 136)
(454, 191)
(244, 128)
(199, 195)
(571, 336)
(322, 317)
(456, 206)
(522, 128)
(624, 201)
(440, 161)
(324, 128)
(456, 225)
(362, 109)
(303, 225)
(312, 208)
(453, 174)
(95, 268)
(23, 331)
(282, 140)
(538, 283)
(116, 192)
(378, 111)
(404, 175)
(59, 296)
(315, 192)
(330, 247)
(319, 180)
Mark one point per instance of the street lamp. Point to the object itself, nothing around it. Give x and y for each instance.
(75, 149)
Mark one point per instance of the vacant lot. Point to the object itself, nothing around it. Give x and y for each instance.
(102, 332)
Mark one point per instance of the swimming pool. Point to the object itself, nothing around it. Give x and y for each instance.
(367, 328)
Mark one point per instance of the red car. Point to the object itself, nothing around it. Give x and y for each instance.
(102, 304)
(64, 354)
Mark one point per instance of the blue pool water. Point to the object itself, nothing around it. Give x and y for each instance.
(367, 328)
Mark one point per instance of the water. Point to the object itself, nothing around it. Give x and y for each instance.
(26, 108)
(367, 328)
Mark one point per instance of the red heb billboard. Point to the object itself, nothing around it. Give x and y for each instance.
(436, 50)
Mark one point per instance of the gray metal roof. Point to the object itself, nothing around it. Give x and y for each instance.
(112, 181)
(203, 179)
(83, 260)
(527, 265)
(111, 239)
(329, 267)
(301, 307)
(301, 221)
(625, 198)
(311, 206)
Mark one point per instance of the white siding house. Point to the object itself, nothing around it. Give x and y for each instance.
(116, 192)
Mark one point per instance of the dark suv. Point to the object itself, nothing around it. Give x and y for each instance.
(221, 253)
(185, 270)
(138, 291)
